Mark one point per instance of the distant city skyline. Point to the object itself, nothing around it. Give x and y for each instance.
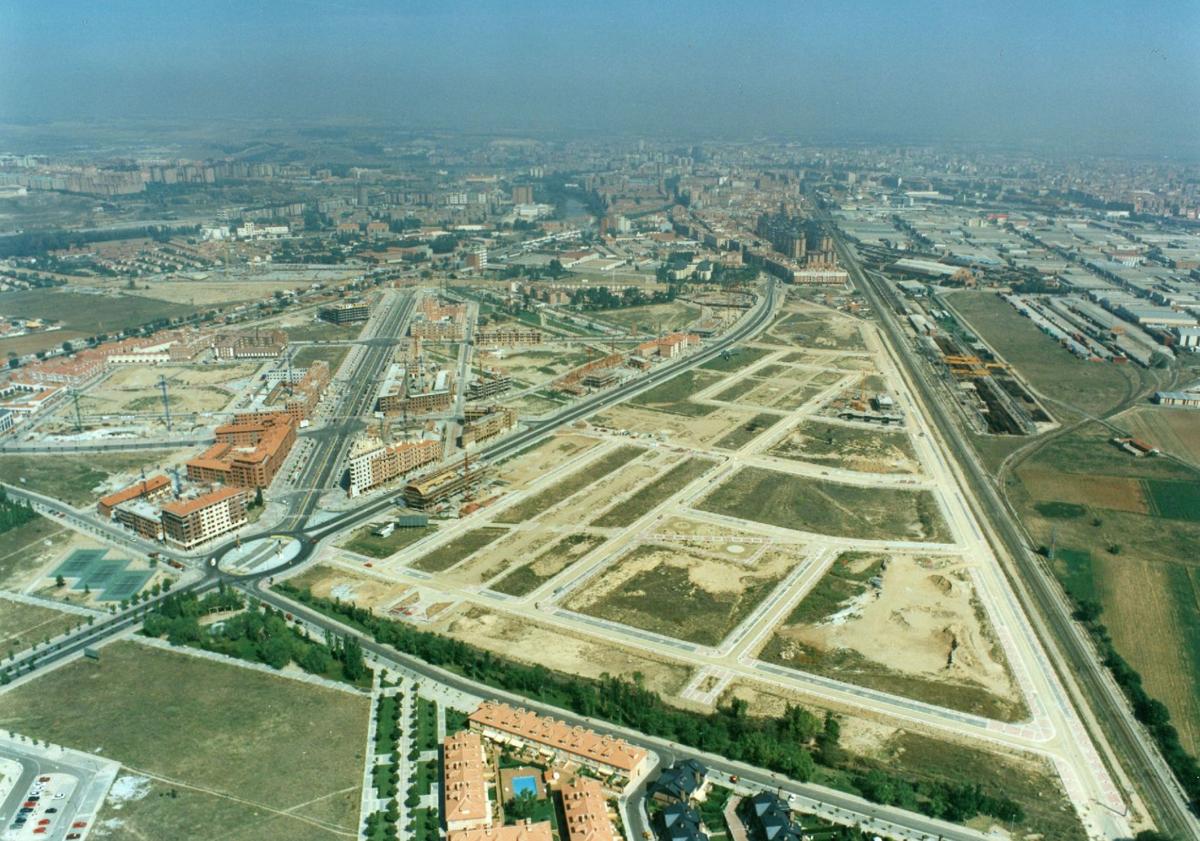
(1096, 76)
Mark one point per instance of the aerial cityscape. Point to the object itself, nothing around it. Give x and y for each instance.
(777, 422)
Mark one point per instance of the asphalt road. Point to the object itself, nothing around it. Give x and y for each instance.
(1042, 599)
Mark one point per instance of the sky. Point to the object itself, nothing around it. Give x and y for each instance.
(1089, 75)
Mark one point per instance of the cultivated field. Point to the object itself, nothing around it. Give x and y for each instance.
(1124, 533)
(862, 448)
(681, 592)
(902, 624)
(285, 762)
(1174, 431)
(797, 502)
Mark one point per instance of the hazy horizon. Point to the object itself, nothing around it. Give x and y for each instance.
(1092, 76)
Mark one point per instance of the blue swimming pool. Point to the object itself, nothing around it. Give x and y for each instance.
(523, 785)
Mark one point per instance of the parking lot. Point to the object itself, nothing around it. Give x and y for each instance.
(49, 792)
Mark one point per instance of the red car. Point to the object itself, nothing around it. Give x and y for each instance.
(44, 822)
(79, 825)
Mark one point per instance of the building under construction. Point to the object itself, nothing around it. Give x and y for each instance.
(429, 491)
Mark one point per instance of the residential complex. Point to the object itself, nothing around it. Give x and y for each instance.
(187, 523)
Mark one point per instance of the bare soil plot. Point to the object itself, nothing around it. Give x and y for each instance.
(594, 470)
(275, 744)
(536, 366)
(798, 502)
(21, 625)
(699, 432)
(711, 535)
(653, 318)
(365, 542)
(526, 468)
(1174, 431)
(902, 624)
(550, 563)
(208, 292)
(557, 649)
(806, 325)
(678, 592)
(449, 554)
(515, 548)
(190, 389)
(869, 450)
(735, 359)
(748, 431)
(331, 582)
(331, 355)
(645, 499)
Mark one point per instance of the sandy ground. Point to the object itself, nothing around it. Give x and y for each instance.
(864, 449)
(365, 591)
(554, 649)
(926, 609)
(697, 432)
(533, 464)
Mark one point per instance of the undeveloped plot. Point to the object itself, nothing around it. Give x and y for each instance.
(814, 327)
(678, 592)
(451, 553)
(674, 396)
(557, 649)
(902, 624)
(533, 464)
(205, 293)
(330, 582)
(645, 498)
(535, 366)
(1117, 493)
(495, 558)
(865, 449)
(550, 563)
(699, 432)
(583, 476)
(799, 502)
(22, 625)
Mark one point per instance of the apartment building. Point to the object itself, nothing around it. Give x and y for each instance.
(348, 313)
(258, 344)
(190, 522)
(484, 423)
(372, 463)
(155, 487)
(488, 384)
(556, 739)
(140, 517)
(507, 336)
(248, 452)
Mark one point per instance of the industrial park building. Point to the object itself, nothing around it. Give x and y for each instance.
(372, 463)
(189, 522)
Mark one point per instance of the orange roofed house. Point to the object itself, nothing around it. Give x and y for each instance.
(464, 791)
(586, 811)
(513, 725)
(539, 831)
(153, 488)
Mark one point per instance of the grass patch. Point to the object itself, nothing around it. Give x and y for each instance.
(74, 478)
(652, 494)
(21, 549)
(550, 563)
(797, 502)
(848, 447)
(1046, 366)
(364, 542)
(22, 624)
(330, 354)
(425, 734)
(84, 314)
(674, 395)
(236, 731)
(1061, 510)
(531, 506)
(740, 358)
(738, 389)
(460, 547)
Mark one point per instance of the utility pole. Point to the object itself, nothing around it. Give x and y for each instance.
(75, 399)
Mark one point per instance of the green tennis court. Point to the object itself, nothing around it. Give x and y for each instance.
(107, 578)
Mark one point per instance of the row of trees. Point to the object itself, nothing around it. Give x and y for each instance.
(256, 633)
(35, 243)
(14, 513)
(785, 744)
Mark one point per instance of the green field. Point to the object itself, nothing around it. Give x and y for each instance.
(649, 495)
(21, 624)
(323, 331)
(239, 747)
(593, 471)
(364, 542)
(21, 549)
(650, 319)
(460, 547)
(1047, 366)
(738, 358)
(798, 502)
(1174, 500)
(72, 478)
(674, 395)
(81, 314)
(330, 354)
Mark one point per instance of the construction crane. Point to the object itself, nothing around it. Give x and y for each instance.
(162, 383)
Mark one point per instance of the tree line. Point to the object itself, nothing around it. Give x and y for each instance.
(255, 632)
(14, 513)
(786, 744)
